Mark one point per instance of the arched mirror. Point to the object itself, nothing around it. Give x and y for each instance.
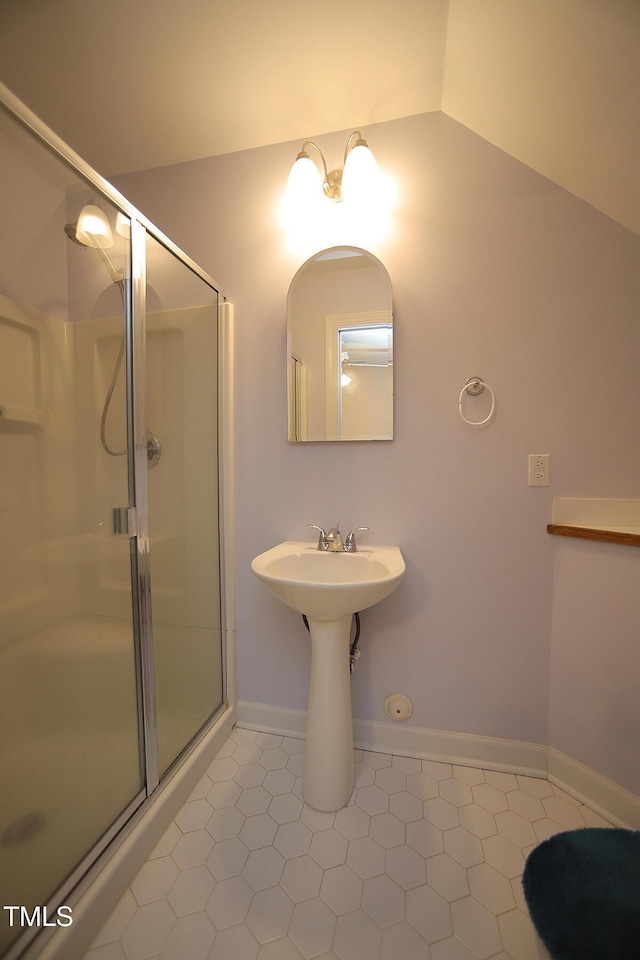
(340, 348)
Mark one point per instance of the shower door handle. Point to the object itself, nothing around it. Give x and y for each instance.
(124, 521)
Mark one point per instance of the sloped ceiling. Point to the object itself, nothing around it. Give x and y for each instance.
(134, 84)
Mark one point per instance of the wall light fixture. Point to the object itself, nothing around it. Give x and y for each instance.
(322, 208)
(357, 180)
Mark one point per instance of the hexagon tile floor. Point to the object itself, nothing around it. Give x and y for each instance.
(423, 864)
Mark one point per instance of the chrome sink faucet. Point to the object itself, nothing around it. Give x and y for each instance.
(332, 541)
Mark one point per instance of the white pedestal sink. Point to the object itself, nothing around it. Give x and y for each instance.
(329, 588)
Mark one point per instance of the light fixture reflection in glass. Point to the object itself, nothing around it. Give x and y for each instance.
(93, 228)
(123, 225)
(345, 379)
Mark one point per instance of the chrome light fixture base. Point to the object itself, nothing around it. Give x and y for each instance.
(332, 185)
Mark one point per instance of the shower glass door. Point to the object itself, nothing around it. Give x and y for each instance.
(70, 767)
(111, 653)
(182, 462)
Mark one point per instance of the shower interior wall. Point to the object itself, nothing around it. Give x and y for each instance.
(497, 272)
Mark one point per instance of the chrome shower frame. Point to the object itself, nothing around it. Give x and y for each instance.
(78, 882)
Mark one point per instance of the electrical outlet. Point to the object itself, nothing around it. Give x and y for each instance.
(538, 469)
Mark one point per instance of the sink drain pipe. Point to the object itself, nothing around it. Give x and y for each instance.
(354, 651)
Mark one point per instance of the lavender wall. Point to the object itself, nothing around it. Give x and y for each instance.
(594, 715)
(497, 273)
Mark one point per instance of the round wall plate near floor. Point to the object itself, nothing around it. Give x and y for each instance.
(398, 706)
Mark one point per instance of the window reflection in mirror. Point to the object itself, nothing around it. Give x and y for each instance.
(340, 348)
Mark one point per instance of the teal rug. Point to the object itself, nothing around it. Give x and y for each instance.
(583, 892)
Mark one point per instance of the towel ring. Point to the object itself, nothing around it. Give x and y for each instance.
(474, 387)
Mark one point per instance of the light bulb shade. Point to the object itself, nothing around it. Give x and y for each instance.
(303, 194)
(93, 228)
(123, 225)
(361, 177)
(305, 181)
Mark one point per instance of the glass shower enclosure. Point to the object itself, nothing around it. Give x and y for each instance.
(111, 611)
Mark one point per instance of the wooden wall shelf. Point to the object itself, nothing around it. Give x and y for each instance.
(595, 533)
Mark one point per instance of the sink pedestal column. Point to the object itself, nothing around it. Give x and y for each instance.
(329, 771)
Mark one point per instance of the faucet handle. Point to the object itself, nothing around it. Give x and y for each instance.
(322, 540)
(350, 545)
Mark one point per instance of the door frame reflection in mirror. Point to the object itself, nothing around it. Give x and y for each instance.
(316, 311)
(336, 324)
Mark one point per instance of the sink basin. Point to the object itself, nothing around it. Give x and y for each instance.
(327, 586)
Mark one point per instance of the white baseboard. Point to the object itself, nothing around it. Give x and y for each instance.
(609, 799)
(613, 802)
(280, 720)
(465, 749)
